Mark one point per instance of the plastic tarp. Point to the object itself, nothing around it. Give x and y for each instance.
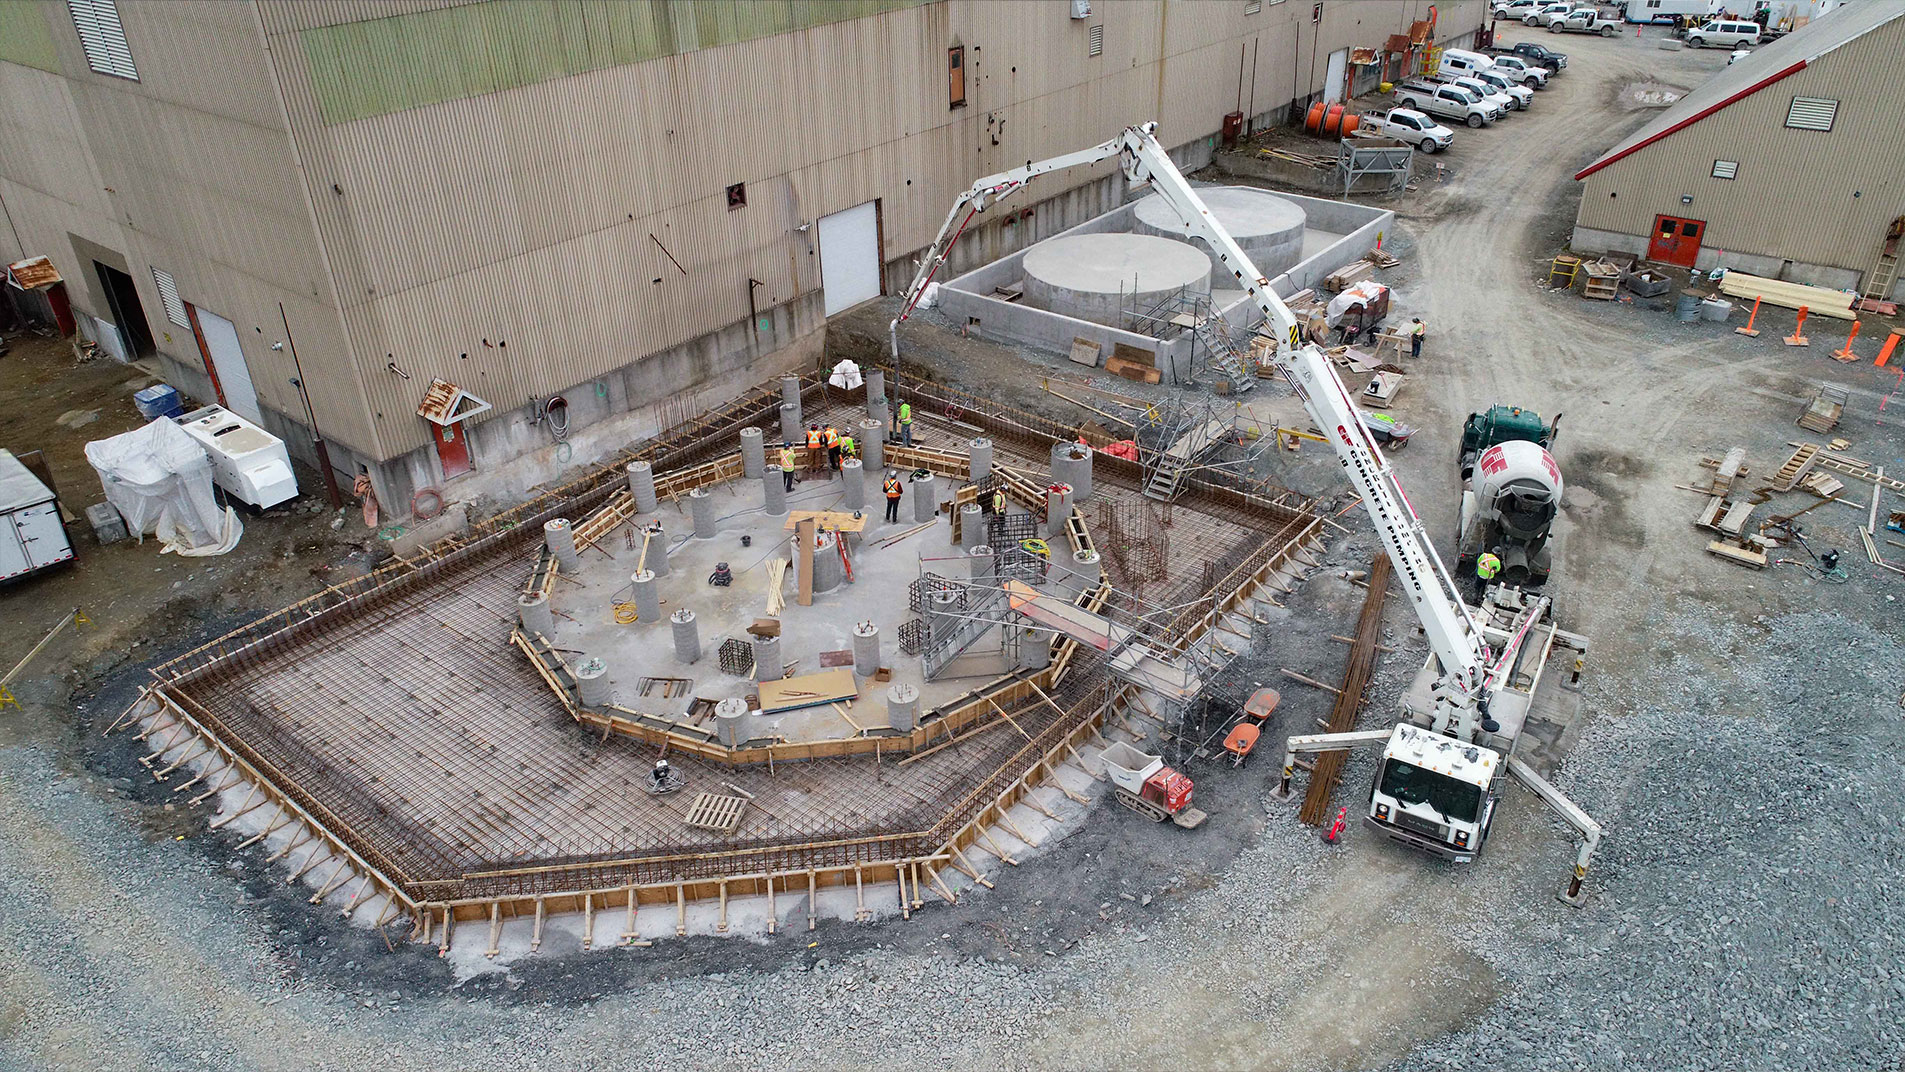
(846, 374)
(160, 481)
(1365, 293)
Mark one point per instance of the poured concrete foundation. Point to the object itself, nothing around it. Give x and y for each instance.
(1101, 277)
(1269, 228)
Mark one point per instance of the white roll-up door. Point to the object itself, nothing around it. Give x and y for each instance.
(850, 257)
(228, 358)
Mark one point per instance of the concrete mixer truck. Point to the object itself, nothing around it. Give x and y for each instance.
(1511, 493)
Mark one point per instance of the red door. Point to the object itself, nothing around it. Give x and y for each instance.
(453, 450)
(1676, 241)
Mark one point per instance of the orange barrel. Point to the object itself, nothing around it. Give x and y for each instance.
(1314, 120)
(1350, 123)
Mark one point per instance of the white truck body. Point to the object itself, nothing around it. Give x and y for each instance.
(1501, 83)
(1128, 768)
(1447, 100)
(1548, 13)
(1411, 126)
(1646, 12)
(1521, 71)
(1586, 20)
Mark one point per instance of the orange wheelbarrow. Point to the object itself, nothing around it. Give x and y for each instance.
(1241, 739)
(1262, 704)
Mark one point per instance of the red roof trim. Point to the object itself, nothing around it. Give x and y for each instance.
(1691, 120)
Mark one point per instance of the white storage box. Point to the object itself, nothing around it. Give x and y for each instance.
(248, 462)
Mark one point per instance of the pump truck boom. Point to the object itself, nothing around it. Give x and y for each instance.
(1434, 789)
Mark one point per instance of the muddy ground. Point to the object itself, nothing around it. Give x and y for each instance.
(133, 939)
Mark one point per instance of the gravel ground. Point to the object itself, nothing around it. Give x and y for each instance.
(1741, 746)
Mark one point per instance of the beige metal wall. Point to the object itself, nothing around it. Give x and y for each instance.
(503, 241)
(1812, 197)
(190, 169)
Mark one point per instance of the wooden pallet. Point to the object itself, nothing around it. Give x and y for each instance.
(1744, 556)
(716, 812)
(1796, 466)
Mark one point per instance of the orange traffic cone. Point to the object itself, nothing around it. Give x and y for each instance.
(1798, 338)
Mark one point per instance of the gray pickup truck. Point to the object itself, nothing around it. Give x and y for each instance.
(1450, 101)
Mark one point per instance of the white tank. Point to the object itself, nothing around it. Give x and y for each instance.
(1518, 466)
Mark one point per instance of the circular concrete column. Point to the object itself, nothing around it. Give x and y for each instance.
(1058, 508)
(876, 391)
(1035, 649)
(790, 389)
(902, 707)
(866, 649)
(592, 682)
(641, 485)
(687, 636)
(853, 485)
(773, 492)
(536, 614)
(828, 572)
(972, 526)
(984, 564)
(980, 453)
(872, 441)
(753, 452)
(730, 721)
(1071, 464)
(791, 431)
(767, 659)
(701, 508)
(647, 597)
(657, 560)
(925, 497)
(560, 539)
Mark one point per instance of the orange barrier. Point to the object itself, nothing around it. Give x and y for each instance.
(1798, 337)
(1749, 330)
(1885, 352)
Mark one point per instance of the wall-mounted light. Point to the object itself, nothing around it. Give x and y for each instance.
(1686, 199)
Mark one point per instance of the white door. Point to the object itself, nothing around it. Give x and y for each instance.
(13, 560)
(1333, 82)
(850, 257)
(228, 360)
(41, 534)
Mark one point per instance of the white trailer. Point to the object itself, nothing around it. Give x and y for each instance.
(32, 536)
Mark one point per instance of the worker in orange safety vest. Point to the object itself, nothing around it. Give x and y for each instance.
(892, 488)
(833, 448)
(815, 438)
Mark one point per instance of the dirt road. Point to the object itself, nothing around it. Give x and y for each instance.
(1712, 711)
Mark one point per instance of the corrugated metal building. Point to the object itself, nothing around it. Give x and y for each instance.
(621, 201)
(1789, 163)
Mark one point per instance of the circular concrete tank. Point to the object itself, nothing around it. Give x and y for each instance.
(1268, 227)
(1092, 276)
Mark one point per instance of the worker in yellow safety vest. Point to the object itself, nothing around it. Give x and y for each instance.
(892, 489)
(787, 464)
(848, 448)
(833, 448)
(1417, 329)
(814, 440)
(906, 423)
(1487, 565)
(998, 501)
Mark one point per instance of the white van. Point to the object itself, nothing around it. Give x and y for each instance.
(1724, 33)
(1457, 62)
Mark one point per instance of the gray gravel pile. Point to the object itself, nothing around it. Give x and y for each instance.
(1746, 906)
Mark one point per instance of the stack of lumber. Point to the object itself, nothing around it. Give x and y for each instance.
(1818, 300)
(1349, 275)
(1131, 363)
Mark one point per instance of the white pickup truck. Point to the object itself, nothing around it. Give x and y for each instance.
(1586, 20)
(1448, 100)
(1521, 95)
(1409, 125)
(1521, 71)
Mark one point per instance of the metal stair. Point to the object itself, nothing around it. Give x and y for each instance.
(1225, 357)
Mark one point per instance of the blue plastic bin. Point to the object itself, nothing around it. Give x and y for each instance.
(158, 400)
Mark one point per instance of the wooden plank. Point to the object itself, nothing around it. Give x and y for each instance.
(1818, 300)
(830, 520)
(1084, 352)
(1740, 555)
(804, 537)
(808, 690)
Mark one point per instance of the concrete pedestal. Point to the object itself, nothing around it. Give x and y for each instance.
(902, 707)
(730, 721)
(701, 507)
(559, 537)
(925, 497)
(656, 560)
(853, 485)
(592, 682)
(1071, 464)
(687, 635)
(872, 440)
(1035, 650)
(537, 616)
(790, 389)
(773, 492)
(876, 389)
(984, 563)
(972, 526)
(866, 649)
(641, 484)
(753, 452)
(980, 451)
(1058, 508)
(767, 659)
(647, 597)
(791, 431)
(828, 571)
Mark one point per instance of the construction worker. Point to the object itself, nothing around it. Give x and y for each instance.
(1417, 329)
(998, 500)
(906, 423)
(848, 448)
(1487, 565)
(833, 448)
(815, 437)
(787, 464)
(892, 489)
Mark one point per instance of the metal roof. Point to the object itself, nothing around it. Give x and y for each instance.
(1787, 56)
(446, 403)
(33, 273)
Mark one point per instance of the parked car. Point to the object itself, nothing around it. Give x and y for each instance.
(1725, 33)
(1451, 101)
(1540, 55)
(1738, 55)
(1474, 84)
(1586, 20)
(1409, 125)
(1548, 13)
(1521, 70)
(1514, 9)
(1501, 83)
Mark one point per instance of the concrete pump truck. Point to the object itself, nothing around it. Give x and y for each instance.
(1435, 788)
